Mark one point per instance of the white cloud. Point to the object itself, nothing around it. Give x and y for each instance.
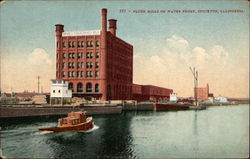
(39, 57)
(171, 68)
(177, 43)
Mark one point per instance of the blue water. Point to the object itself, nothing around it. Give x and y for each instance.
(217, 132)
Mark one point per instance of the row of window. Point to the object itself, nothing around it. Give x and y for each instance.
(80, 55)
(88, 87)
(80, 65)
(80, 74)
(80, 44)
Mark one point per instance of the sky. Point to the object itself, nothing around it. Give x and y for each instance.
(165, 44)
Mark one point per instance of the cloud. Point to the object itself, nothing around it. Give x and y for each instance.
(171, 69)
(26, 69)
(177, 43)
(39, 57)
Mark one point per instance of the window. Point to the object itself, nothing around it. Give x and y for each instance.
(82, 55)
(63, 65)
(87, 73)
(89, 87)
(97, 55)
(69, 74)
(97, 87)
(56, 65)
(87, 55)
(63, 74)
(82, 73)
(97, 43)
(82, 65)
(64, 44)
(79, 44)
(88, 44)
(90, 65)
(97, 65)
(79, 65)
(79, 87)
(57, 56)
(64, 55)
(73, 65)
(71, 86)
(59, 91)
(71, 44)
(73, 55)
(78, 74)
(79, 55)
(90, 74)
(91, 44)
(82, 44)
(91, 55)
(73, 74)
(54, 91)
(97, 74)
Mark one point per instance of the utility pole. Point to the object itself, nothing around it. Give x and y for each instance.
(38, 83)
(195, 74)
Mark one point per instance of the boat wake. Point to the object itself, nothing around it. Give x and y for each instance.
(95, 127)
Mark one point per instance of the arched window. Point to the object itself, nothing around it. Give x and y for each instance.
(89, 87)
(97, 87)
(79, 87)
(71, 86)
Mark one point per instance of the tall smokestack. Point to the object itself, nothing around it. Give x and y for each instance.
(59, 30)
(112, 26)
(104, 20)
(103, 51)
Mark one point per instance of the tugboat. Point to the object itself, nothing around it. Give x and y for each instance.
(76, 121)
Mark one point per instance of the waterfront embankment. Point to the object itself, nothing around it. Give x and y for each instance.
(25, 111)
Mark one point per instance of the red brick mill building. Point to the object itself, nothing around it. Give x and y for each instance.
(99, 64)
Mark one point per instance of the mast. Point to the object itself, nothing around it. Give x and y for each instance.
(195, 74)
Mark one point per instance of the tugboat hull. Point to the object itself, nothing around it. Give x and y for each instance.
(79, 127)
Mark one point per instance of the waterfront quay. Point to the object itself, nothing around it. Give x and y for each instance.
(9, 111)
(19, 110)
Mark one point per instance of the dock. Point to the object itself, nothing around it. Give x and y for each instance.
(36, 110)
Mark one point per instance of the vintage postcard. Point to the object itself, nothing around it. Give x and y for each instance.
(124, 79)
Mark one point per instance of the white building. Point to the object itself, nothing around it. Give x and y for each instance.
(173, 97)
(59, 89)
(221, 99)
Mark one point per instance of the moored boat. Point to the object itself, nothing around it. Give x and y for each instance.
(75, 121)
(171, 106)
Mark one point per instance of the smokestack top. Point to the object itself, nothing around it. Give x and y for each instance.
(59, 27)
(112, 26)
(104, 10)
(112, 23)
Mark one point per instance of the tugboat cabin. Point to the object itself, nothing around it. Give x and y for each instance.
(74, 118)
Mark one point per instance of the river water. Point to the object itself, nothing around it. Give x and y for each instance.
(217, 132)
